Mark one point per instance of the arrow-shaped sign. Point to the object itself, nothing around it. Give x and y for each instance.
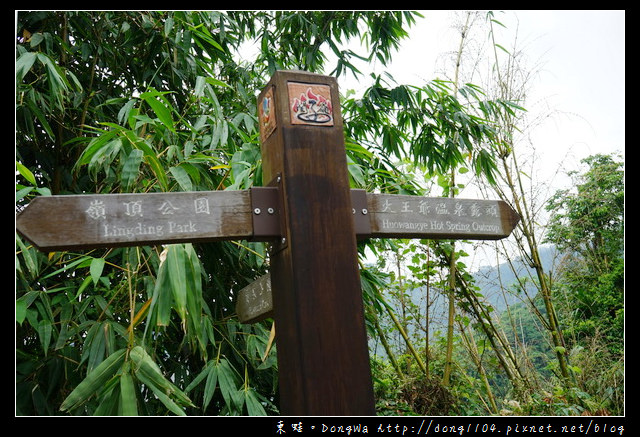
(401, 216)
(111, 220)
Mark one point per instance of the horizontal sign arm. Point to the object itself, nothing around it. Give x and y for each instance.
(112, 220)
(402, 216)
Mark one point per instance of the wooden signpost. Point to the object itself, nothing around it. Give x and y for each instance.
(312, 218)
(112, 220)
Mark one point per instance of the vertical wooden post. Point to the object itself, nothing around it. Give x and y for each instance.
(323, 356)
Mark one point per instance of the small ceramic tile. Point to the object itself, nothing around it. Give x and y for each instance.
(310, 104)
(266, 115)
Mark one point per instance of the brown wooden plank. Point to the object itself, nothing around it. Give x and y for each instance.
(322, 344)
(111, 220)
(87, 221)
(254, 302)
(402, 216)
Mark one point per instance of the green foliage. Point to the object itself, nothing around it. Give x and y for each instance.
(590, 221)
(143, 101)
(427, 124)
(302, 40)
(588, 225)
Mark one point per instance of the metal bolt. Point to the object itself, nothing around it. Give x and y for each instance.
(256, 211)
(364, 211)
(353, 211)
(270, 210)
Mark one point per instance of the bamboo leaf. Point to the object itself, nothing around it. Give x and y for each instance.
(166, 400)
(158, 170)
(272, 336)
(128, 398)
(30, 258)
(26, 173)
(94, 381)
(85, 284)
(254, 407)
(201, 376)
(217, 82)
(148, 368)
(94, 146)
(176, 273)
(65, 318)
(97, 265)
(227, 383)
(182, 177)
(148, 372)
(131, 168)
(199, 87)
(22, 193)
(45, 329)
(162, 299)
(109, 400)
(168, 26)
(159, 107)
(105, 155)
(140, 314)
(193, 285)
(24, 64)
(502, 48)
(97, 347)
(22, 304)
(493, 20)
(58, 84)
(210, 386)
(125, 111)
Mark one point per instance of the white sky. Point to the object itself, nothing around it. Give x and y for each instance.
(583, 53)
(581, 57)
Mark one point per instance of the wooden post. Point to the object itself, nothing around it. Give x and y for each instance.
(323, 357)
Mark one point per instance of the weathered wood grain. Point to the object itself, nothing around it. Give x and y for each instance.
(312, 219)
(112, 220)
(254, 302)
(322, 344)
(401, 216)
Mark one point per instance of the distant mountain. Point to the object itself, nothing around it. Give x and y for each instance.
(493, 279)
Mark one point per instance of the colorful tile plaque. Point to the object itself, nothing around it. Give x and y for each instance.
(267, 115)
(310, 104)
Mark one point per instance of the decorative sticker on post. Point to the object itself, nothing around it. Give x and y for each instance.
(266, 115)
(310, 104)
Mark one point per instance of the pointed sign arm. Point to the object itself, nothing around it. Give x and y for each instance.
(403, 216)
(112, 220)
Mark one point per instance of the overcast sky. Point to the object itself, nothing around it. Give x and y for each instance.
(581, 60)
(583, 53)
